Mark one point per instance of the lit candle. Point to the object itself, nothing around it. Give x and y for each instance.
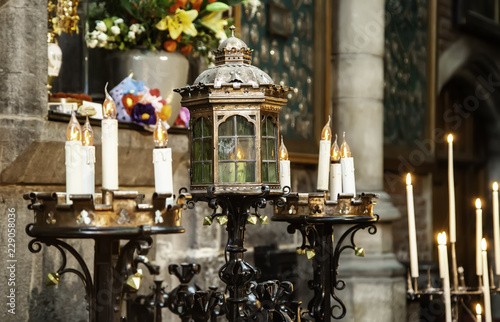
(451, 191)
(162, 160)
(347, 164)
(284, 166)
(73, 158)
(324, 157)
(478, 313)
(411, 228)
(109, 139)
(335, 171)
(444, 273)
(486, 283)
(88, 160)
(479, 236)
(496, 228)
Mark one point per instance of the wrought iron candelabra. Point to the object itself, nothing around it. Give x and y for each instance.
(112, 292)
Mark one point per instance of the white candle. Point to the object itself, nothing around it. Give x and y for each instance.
(162, 160)
(486, 283)
(347, 165)
(88, 159)
(478, 313)
(335, 171)
(109, 139)
(324, 158)
(285, 179)
(73, 158)
(451, 191)
(444, 273)
(411, 228)
(479, 236)
(496, 228)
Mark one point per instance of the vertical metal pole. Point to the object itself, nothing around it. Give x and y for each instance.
(104, 255)
(324, 269)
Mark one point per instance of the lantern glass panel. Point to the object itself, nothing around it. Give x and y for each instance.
(226, 172)
(246, 172)
(246, 149)
(226, 149)
(202, 151)
(237, 150)
(269, 150)
(244, 127)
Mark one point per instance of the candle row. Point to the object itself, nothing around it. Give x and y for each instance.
(481, 254)
(80, 155)
(335, 165)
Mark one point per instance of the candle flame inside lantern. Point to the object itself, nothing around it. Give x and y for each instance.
(74, 131)
(450, 138)
(283, 151)
(238, 154)
(484, 246)
(326, 133)
(335, 151)
(478, 203)
(345, 151)
(442, 238)
(109, 106)
(88, 134)
(478, 309)
(408, 179)
(160, 135)
(495, 186)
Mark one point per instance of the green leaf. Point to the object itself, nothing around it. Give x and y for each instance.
(217, 6)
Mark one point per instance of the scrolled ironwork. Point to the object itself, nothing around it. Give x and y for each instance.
(35, 246)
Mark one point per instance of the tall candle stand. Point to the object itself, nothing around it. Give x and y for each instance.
(460, 296)
(314, 216)
(111, 217)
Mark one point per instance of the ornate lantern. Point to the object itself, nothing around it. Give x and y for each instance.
(234, 123)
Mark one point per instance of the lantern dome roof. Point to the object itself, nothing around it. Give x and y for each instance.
(233, 65)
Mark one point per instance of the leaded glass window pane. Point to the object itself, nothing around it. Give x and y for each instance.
(202, 151)
(237, 150)
(269, 150)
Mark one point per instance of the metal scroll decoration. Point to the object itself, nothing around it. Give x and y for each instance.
(339, 284)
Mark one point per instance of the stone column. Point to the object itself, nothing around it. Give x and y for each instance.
(375, 284)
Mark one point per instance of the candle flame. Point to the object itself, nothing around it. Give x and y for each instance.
(408, 179)
(495, 186)
(484, 246)
(335, 151)
(73, 131)
(478, 309)
(283, 151)
(160, 135)
(326, 133)
(88, 134)
(109, 106)
(238, 154)
(442, 238)
(478, 203)
(345, 151)
(450, 138)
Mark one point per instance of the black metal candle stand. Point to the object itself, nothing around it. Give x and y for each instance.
(461, 296)
(112, 294)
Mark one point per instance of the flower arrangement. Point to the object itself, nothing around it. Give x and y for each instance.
(185, 25)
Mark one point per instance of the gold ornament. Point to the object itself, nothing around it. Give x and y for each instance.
(207, 221)
(135, 281)
(222, 220)
(359, 251)
(310, 253)
(52, 279)
(252, 219)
